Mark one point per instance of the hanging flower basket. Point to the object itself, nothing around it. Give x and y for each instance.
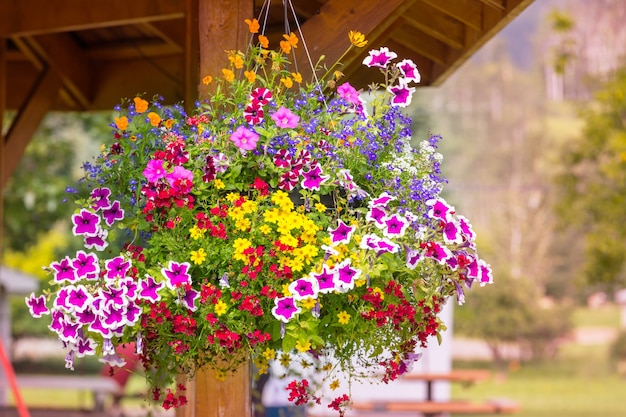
(279, 221)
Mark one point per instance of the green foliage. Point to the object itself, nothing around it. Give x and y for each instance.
(593, 183)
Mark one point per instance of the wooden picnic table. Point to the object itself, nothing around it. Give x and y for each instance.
(464, 376)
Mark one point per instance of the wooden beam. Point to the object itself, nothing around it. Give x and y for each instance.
(493, 21)
(467, 11)
(63, 55)
(33, 17)
(39, 102)
(425, 45)
(327, 32)
(437, 24)
(192, 55)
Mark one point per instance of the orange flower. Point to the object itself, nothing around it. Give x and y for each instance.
(250, 75)
(357, 38)
(253, 25)
(291, 41)
(155, 119)
(141, 105)
(169, 123)
(297, 77)
(264, 41)
(235, 58)
(207, 80)
(288, 82)
(228, 75)
(121, 122)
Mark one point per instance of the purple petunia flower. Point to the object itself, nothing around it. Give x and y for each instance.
(376, 215)
(85, 223)
(78, 298)
(325, 279)
(466, 228)
(304, 288)
(395, 226)
(409, 70)
(452, 233)
(387, 246)
(86, 265)
(37, 305)
(285, 119)
(402, 94)
(413, 257)
(347, 275)
(341, 234)
(113, 213)
(149, 289)
(189, 299)
(440, 210)
(285, 309)
(100, 198)
(85, 347)
(64, 270)
(313, 178)
(379, 58)
(381, 201)
(176, 274)
(116, 267)
(244, 139)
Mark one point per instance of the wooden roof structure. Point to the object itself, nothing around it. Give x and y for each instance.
(82, 55)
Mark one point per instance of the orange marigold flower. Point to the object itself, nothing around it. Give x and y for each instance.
(141, 105)
(154, 118)
(357, 39)
(288, 82)
(169, 123)
(253, 25)
(264, 41)
(121, 122)
(250, 75)
(292, 39)
(228, 75)
(235, 58)
(207, 80)
(297, 77)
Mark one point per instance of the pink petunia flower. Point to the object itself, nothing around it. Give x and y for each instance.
(244, 139)
(284, 118)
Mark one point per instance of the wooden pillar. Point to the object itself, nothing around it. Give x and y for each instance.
(220, 26)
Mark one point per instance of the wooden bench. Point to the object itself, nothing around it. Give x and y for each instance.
(433, 408)
(101, 387)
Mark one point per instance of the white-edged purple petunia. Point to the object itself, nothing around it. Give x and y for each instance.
(113, 213)
(402, 94)
(452, 233)
(85, 347)
(485, 275)
(346, 275)
(379, 57)
(97, 241)
(413, 257)
(385, 245)
(377, 216)
(440, 210)
(116, 267)
(285, 309)
(100, 198)
(86, 265)
(149, 289)
(313, 178)
(176, 274)
(326, 280)
(37, 305)
(342, 234)
(409, 71)
(189, 299)
(78, 298)
(382, 200)
(85, 223)
(466, 228)
(304, 288)
(63, 270)
(395, 226)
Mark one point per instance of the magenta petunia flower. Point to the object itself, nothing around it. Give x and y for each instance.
(395, 226)
(149, 289)
(100, 197)
(85, 223)
(116, 267)
(379, 58)
(376, 215)
(113, 213)
(304, 288)
(440, 210)
(369, 241)
(85, 347)
(253, 113)
(262, 95)
(285, 309)
(485, 273)
(189, 299)
(381, 201)
(313, 178)
(86, 265)
(402, 95)
(154, 170)
(78, 298)
(244, 139)
(97, 241)
(132, 314)
(413, 257)
(349, 93)
(179, 174)
(409, 70)
(176, 274)
(452, 233)
(325, 279)
(37, 305)
(284, 118)
(347, 275)
(466, 228)
(64, 270)
(341, 234)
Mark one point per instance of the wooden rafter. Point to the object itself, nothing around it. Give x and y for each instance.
(33, 17)
(372, 17)
(468, 12)
(436, 24)
(40, 101)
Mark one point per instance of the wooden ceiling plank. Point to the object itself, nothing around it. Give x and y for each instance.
(433, 22)
(17, 17)
(40, 101)
(65, 57)
(422, 43)
(27, 52)
(149, 48)
(496, 4)
(327, 32)
(493, 22)
(467, 11)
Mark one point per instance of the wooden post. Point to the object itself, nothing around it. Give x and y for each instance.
(221, 27)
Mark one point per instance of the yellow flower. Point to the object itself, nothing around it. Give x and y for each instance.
(303, 346)
(338, 74)
(265, 229)
(250, 75)
(207, 80)
(285, 360)
(297, 77)
(243, 224)
(154, 118)
(198, 256)
(235, 58)
(320, 207)
(220, 308)
(229, 76)
(264, 41)
(196, 233)
(288, 82)
(121, 122)
(381, 293)
(269, 354)
(141, 105)
(232, 197)
(334, 385)
(308, 303)
(357, 39)
(169, 123)
(253, 25)
(241, 245)
(219, 184)
(344, 317)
